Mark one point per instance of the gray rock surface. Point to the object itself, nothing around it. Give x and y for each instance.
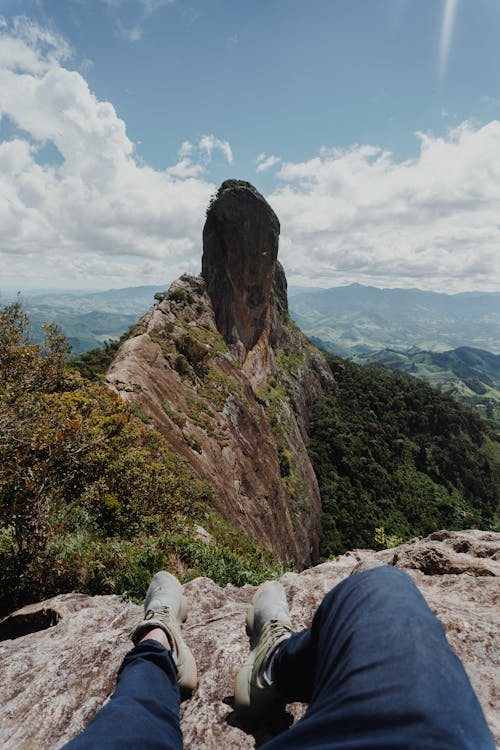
(54, 680)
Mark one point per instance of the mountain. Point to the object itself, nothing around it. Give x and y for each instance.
(360, 319)
(88, 319)
(222, 372)
(396, 458)
(470, 375)
(224, 443)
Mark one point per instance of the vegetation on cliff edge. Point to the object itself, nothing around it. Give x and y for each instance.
(91, 499)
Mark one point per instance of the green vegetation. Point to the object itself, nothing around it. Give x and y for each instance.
(471, 376)
(175, 416)
(278, 411)
(180, 295)
(91, 499)
(94, 363)
(210, 337)
(393, 456)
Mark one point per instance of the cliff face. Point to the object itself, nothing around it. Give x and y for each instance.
(56, 679)
(220, 369)
(240, 249)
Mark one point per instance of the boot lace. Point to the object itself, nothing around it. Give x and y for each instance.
(272, 634)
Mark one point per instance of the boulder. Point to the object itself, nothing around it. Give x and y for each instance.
(59, 658)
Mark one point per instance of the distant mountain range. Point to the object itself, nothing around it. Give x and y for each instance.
(355, 319)
(88, 319)
(451, 341)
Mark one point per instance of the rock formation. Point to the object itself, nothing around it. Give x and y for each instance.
(59, 658)
(240, 249)
(220, 369)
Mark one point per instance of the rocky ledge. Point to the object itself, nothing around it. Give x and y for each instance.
(59, 658)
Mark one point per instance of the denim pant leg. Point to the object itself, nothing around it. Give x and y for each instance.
(144, 709)
(378, 673)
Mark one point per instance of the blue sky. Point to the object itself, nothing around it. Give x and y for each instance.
(372, 127)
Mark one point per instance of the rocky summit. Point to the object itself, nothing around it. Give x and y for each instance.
(59, 658)
(220, 369)
(240, 249)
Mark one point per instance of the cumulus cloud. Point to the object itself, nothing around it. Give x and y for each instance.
(98, 202)
(193, 158)
(209, 143)
(360, 215)
(266, 162)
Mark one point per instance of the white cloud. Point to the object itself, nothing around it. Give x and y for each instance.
(209, 143)
(266, 162)
(360, 215)
(195, 158)
(68, 219)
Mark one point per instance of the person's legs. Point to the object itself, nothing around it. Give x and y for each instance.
(378, 672)
(144, 709)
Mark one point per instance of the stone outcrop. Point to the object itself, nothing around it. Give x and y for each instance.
(55, 679)
(240, 249)
(222, 372)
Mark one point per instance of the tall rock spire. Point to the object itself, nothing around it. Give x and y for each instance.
(240, 250)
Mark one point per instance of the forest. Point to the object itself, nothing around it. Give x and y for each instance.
(396, 458)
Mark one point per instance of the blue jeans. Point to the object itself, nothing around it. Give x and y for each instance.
(375, 668)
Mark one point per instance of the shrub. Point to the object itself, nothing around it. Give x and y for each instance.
(180, 295)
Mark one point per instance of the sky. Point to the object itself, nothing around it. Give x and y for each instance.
(372, 127)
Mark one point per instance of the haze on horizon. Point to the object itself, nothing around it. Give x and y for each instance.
(373, 129)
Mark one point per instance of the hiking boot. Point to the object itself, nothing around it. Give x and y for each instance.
(165, 607)
(268, 624)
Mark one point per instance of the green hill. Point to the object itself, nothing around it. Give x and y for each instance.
(393, 454)
(470, 375)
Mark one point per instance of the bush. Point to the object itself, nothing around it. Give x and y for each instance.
(180, 295)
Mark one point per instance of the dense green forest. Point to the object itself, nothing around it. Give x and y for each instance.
(395, 459)
(91, 498)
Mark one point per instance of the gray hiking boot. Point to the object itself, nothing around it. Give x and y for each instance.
(165, 607)
(268, 624)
